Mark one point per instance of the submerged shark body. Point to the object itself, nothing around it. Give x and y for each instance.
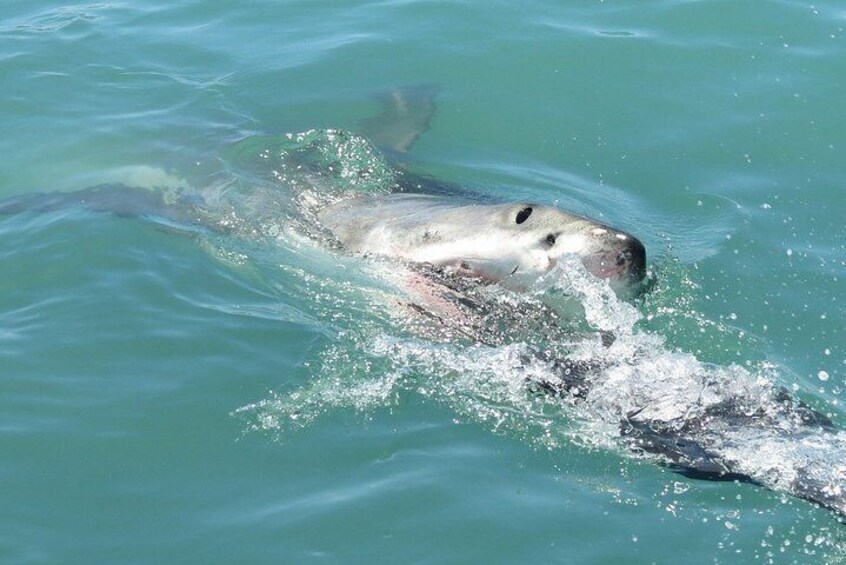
(453, 244)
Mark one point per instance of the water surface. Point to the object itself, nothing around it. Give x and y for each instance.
(138, 360)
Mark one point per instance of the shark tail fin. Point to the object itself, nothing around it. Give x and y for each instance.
(406, 113)
(118, 200)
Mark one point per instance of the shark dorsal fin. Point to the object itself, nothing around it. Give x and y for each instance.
(405, 115)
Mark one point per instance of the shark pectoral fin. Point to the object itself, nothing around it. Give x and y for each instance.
(682, 453)
(831, 496)
(406, 112)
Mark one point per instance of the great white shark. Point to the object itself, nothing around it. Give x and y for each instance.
(453, 242)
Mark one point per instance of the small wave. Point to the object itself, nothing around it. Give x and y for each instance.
(55, 20)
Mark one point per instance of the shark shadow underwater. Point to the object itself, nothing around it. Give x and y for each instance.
(453, 242)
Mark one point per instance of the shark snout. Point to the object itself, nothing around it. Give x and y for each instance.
(631, 260)
(622, 259)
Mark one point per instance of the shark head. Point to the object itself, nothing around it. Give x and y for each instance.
(512, 244)
(515, 244)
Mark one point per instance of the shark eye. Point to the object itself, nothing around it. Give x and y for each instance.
(523, 215)
(550, 239)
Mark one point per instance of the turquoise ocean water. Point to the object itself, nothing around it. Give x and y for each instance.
(169, 395)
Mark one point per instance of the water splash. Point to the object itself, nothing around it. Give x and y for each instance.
(488, 370)
(323, 161)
